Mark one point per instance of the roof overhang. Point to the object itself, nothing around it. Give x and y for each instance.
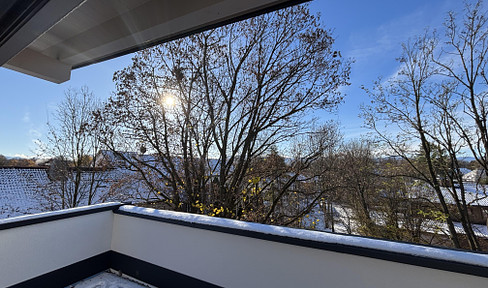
(49, 38)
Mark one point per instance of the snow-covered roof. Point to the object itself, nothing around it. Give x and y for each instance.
(475, 195)
(18, 190)
(26, 190)
(464, 171)
(474, 176)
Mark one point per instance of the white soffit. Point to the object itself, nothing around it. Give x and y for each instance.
(68, 34)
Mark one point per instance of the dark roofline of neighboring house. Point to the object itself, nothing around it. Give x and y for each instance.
(24, 167)
(44, 167)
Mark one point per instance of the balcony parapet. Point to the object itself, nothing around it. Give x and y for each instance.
(173, 249)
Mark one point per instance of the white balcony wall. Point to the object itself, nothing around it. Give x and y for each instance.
(192, 247)
(33, 250)
(235, 261)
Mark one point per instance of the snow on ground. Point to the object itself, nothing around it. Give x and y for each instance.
(108, 280)
(384, 245)
(346, 225)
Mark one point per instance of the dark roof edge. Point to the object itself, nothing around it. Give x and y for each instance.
(25, 167)
(148, 44)
(399, 257)
(19, 14)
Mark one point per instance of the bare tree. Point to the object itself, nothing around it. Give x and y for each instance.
(74, 179)
(438, 100)
(356, 173)
(297, 189)
(463, 60)
(404, 101)
(239, 90)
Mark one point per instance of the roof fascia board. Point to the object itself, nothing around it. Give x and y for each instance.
(39, 65)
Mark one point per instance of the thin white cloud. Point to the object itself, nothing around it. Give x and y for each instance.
(22, 156)
(387, 37)
(386, 40)
(26, 117)
(35, 133)
(443, 52)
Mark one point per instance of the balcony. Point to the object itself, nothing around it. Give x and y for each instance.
(172, 249)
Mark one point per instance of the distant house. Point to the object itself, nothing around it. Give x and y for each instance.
(464, 171)
(110, 159)
(475, 176)
(476, 199)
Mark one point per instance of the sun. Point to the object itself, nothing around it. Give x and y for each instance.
(168, 101)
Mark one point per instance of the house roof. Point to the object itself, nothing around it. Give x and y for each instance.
(25, 190)
(18, 190)
(48, 38)
(474, 176)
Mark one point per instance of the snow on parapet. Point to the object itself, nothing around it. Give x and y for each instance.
(58, 212)
(325, 237)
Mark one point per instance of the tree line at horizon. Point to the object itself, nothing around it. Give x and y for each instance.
(17, 162)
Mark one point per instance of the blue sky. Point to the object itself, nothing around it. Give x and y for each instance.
(370, 32)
